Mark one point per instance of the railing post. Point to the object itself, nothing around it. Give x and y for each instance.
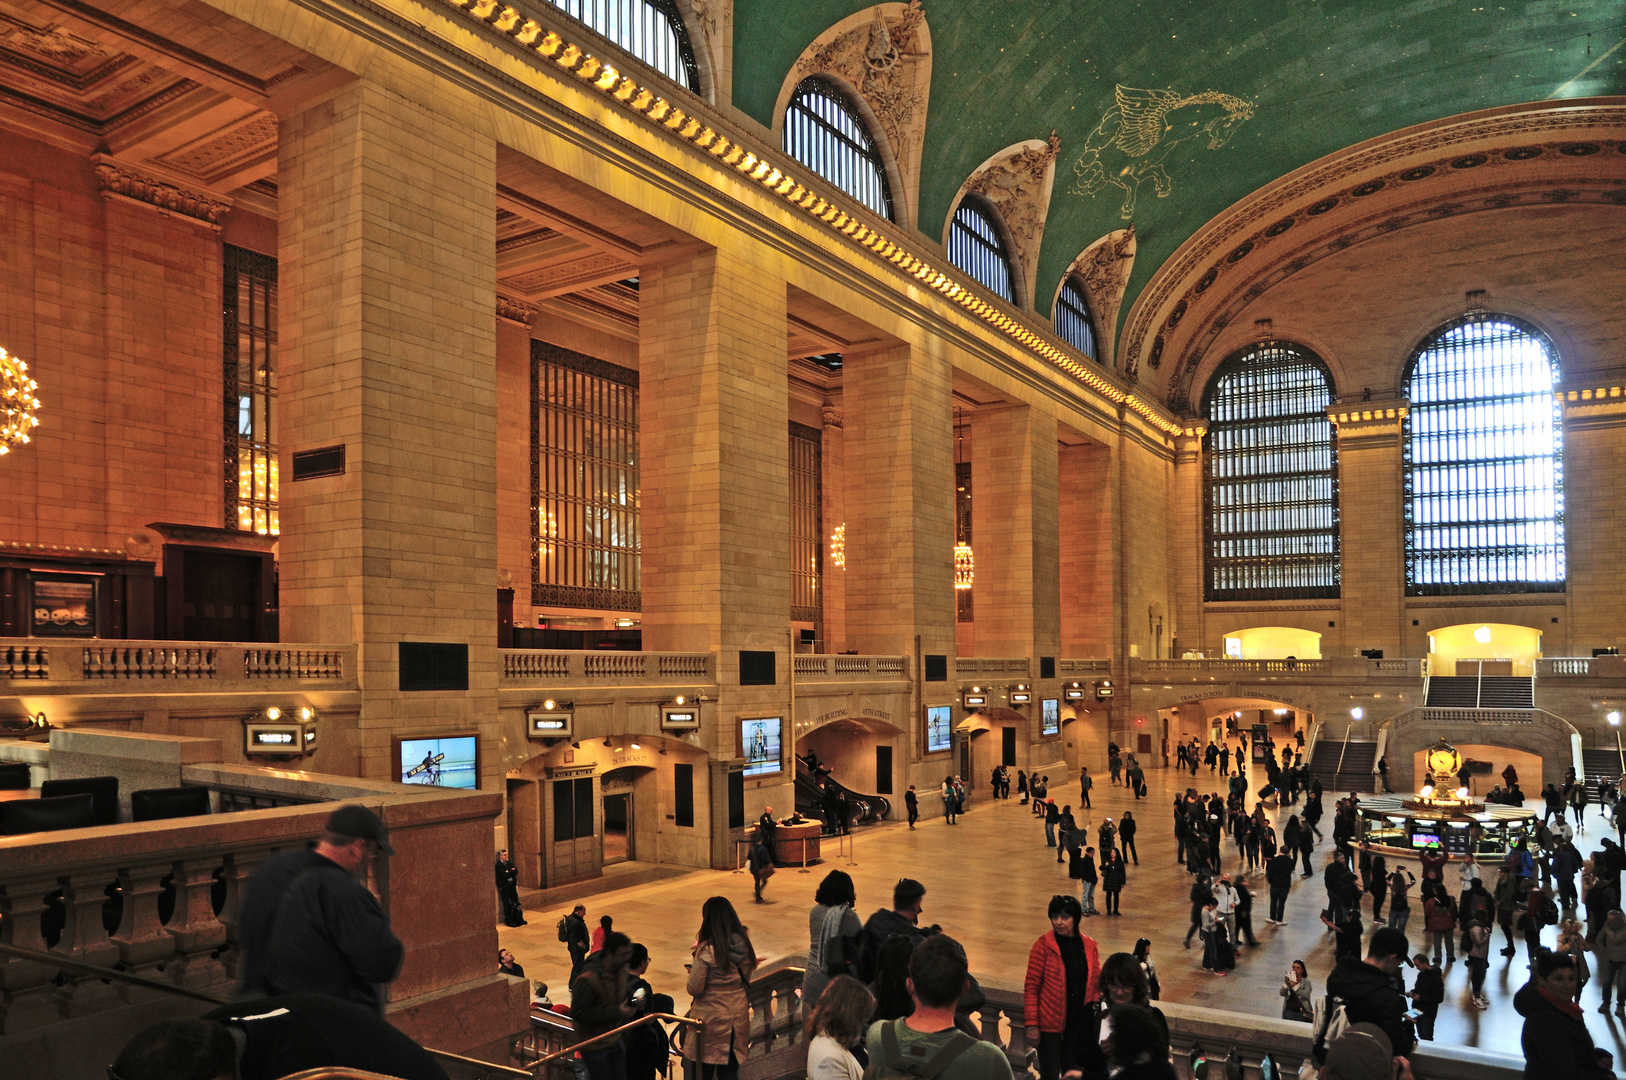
(84, 938)
(25, 997)
(142, 941)
(193, 925)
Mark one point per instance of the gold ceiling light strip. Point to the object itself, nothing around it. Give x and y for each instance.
(623, 89)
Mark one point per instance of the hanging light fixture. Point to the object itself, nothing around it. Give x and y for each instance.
(838, 546)
(17, 403)
(964, 562)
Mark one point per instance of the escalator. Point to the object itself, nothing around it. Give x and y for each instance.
(864, 809)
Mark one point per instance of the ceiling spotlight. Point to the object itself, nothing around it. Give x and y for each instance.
(607, 741)
(550, 705)
(679, 700)
(635, 746)
(273, 713)
(306, 712)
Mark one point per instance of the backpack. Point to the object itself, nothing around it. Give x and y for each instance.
(564, 928)
(1331, 1021)
(1549, 912)
(893, 1064)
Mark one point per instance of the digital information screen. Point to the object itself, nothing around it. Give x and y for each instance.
(759, 745)
(452, 762)
(1050, 711)
(939, 728)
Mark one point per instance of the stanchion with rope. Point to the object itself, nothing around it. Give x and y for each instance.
(852, 849)
(804, 869)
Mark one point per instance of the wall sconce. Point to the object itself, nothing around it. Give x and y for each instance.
(1357, 712)
(553, 720)
(25, 727)
(683, 714)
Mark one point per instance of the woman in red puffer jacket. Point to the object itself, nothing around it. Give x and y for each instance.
(1060, 995)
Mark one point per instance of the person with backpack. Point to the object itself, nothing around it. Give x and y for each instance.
(760, 862)
(573, 932)
(1059, 994)
(1085, 783)
(1539, 912)
(1366, 988)
(926, 1042)
(1439, 924)
(1476, 952)
(902, 918)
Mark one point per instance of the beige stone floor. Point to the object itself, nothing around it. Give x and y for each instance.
(989, 880)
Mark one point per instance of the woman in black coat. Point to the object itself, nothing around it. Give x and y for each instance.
(1113, 876)
(1557, 1045)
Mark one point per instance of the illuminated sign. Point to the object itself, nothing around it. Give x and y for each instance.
(938, 721)
(760, 745)
(548, 725)
(685, 718)
(279, 739)
(1050, 710)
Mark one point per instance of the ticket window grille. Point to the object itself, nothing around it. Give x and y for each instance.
(250, 336)
(1484, 467)
(976, 246)
(1270, 483)
(651, 30)
(824, 132)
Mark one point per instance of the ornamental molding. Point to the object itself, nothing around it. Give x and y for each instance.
(157, 190)
(1544, 153)
(1102, 271)
(831, 415)
(515, 311)
(1016, 182)
(882, 56)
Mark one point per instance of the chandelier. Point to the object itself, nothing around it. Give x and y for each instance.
(838, 546)
(17, 402)
(963, 568)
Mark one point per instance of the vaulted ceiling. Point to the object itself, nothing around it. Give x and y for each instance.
(1277, 84)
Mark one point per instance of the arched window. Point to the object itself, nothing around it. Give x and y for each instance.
(1071, 319)
(823, 131)
(1484, 461)
(975, 246)
(1270, 477)
(651, 30)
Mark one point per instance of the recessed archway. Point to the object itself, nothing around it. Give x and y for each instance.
(1272, 643)
(1484, 649)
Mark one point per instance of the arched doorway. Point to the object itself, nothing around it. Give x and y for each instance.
(861, 754)
(1488, 649)
(989, 738)
(1272, 643)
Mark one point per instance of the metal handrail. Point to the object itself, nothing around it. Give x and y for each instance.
(614, 1033)
(340, 1072)
(1342, 750)
(67, 962)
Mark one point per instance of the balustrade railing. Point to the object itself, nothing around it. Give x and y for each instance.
(822, 667)
(577, 668)
(1559, 666)
(1406, 667)
(1065, 667)
(44, 665)
(1439, 715)
(967, 666)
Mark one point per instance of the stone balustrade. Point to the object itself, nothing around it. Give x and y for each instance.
(40, 667)
(968, 667)
(548, 669)
(1572, 667)
(161, 899)
(1337, 667)
(1069, 668)
(824, 667)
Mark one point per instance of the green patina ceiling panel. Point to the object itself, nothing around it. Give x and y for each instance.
(1216, 99)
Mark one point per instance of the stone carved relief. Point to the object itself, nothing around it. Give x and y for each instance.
(1549, 119)
(1102, 271)
(515, 310)
(119, 180)
(1016, 182)
(712, 22)
(884, 55)
(228, 151)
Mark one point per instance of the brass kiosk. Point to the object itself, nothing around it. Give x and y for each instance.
(797, 845)
(1442, 817)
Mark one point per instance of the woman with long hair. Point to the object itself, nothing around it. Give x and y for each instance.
(1124, 982)
(1143, 955)
(835, 1027)
(1297, 991)
(833, 931)
(723, 961)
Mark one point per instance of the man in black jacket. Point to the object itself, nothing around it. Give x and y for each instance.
(598, 1004)
(1426, 994)
(1367, 988)
(908, 896)
(309, 926)
(577, 939)
(1279, 875)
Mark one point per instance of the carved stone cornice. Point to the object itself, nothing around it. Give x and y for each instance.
(1362, 426)
(515, 311)
(831, 414)
(1547, 153)
(1016, 182)
(146, 186)
(1593, 407)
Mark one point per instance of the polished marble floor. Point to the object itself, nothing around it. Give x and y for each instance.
(989, 880)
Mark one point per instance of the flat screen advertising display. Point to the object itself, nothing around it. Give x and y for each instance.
(1050, 716)
(939, 728)
(759, 745)
(450, 761)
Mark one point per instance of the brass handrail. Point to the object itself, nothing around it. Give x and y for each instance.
(339, 1072)
(691, 1021)
(489, 1066)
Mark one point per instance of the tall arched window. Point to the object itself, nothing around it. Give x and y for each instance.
(823, 131)
(1270, 478)
(1071, 319)
(975, 246)
(651, 30)
(1484, 461)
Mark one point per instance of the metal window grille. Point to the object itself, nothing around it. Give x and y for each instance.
(651, 30)
(249, 305)
(1484, 467)
(964, 603)
(1270, 478)
(975, 246)
(1072, 319)
(806, 525)
(824, 132)
(584, 482)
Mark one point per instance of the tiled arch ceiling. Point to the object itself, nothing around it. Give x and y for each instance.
(1533, 156)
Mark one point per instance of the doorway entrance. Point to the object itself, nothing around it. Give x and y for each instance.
(617, 827)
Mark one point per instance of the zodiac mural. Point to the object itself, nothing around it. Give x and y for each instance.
(1142, 129)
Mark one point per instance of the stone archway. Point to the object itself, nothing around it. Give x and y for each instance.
(1550, 738)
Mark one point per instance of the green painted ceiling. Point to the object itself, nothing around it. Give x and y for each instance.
(1320, 75)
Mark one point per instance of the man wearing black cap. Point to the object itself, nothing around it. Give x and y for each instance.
(309, 926)
(1368, 988)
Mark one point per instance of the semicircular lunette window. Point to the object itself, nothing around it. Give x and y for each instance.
(1484, 470)
(975, 246)
(651, 30)
(1270, 478)
(824, 132)
(1072, 321)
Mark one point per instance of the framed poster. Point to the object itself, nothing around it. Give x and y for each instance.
(449, 761)
(1050, 716)
(760, 745)
(63, 606)
(939, 728)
